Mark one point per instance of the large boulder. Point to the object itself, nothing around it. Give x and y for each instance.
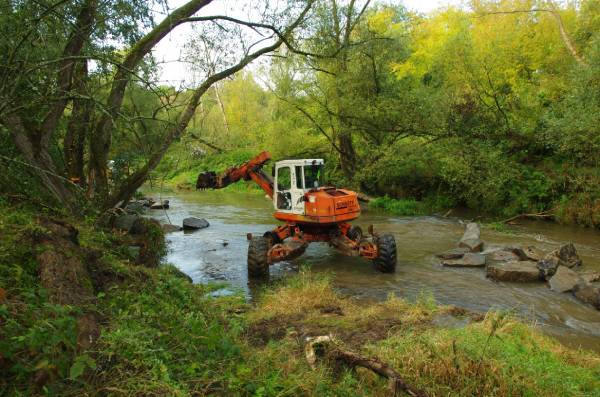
(522, 271)
(588, 293)
(454, 253)
(566, 256)
(135, 207)
(193, 223)
(469, 259)
(564, 280)
(125, 222)
(472, 232)
(470, 239)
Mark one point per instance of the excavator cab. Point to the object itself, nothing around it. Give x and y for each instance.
(293, 179)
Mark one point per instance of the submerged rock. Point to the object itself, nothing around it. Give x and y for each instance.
(163, 205)
(590, 277)
(564, 280)
(502, 255)
(469, 259)
(533, 253)
(522, 271)
(454, 253)
(588, 293)
(193, 223)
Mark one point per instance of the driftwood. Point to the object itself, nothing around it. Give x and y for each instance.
(326, 346)
(543, 214)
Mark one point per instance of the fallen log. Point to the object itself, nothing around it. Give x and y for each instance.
(326, 346)
(543, 214)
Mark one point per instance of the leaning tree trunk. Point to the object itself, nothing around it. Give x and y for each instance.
(100, 140)
(79, 124)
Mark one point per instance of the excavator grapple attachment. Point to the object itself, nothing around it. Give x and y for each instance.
(207, 180)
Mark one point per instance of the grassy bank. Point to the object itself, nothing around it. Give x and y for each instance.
(160, 335)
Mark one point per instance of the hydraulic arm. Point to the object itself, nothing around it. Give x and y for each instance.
(250, 170)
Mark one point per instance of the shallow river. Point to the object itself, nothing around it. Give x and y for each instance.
(218, 253)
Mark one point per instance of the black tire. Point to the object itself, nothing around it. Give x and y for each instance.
(257, 257)
(273, 236)
(355, 233)
(386, 257)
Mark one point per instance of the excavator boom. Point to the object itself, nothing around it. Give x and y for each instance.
(250, 170)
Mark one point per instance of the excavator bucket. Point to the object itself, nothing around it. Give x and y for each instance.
(207, 180)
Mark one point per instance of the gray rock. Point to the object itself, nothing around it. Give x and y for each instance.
(125, 222)
(468, 260)
(193, 223)
(548, 265)
(164, 205)
(566, 256)
(472, 232)
(522, 271)
(588, 293)
(533, 254)
(134, 208)
(502, 255)
(473, 245)
(147, 201)
(169, 228)
(564, 280)
(454, 253)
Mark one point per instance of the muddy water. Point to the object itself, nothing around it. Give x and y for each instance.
(218, 253)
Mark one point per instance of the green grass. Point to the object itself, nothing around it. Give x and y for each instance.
(402, 207)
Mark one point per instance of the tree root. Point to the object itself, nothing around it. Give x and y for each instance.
(326, 345)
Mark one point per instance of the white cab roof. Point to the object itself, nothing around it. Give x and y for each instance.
(301, 162)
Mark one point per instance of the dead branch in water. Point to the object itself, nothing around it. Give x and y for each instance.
(543, 214)
(326, 346)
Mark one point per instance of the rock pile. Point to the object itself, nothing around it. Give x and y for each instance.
(529, 264)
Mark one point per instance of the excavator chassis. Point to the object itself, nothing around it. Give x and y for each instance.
(289, 241)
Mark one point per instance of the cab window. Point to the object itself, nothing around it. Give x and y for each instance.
(313, 176)
(284, 178)
(299, 177)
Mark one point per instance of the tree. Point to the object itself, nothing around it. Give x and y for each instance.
(75, 33)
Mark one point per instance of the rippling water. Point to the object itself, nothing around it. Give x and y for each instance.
(218, 253)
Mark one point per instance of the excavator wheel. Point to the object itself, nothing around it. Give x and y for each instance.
(257, 257)
(386, 257)
(273, 236)
(355, 233)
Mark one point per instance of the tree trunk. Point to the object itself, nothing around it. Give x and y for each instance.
(40, 161)
(100, 140)
(347, 153)
(79, 123)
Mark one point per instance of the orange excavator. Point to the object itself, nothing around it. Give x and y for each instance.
(310, 212)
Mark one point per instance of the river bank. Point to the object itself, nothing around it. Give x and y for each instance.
(156, 333)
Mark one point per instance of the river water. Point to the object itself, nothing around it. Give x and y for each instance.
(218, 253)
